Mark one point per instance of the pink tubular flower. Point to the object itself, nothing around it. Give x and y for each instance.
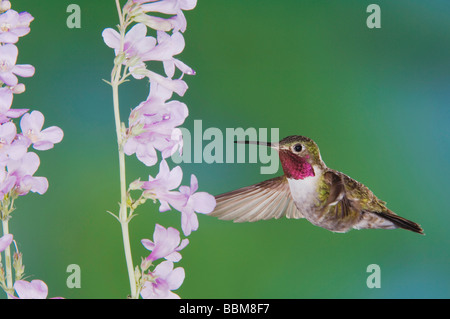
(160, 187)
(136, 43)
(174, 7)
(6, 98)
(166, 280)
(153, 126)
(31, 125)
(169, 46)
(23, 170)
(36, 289)
(6, 113)
(166, 244)
(14, 25)
(10, 148)
(200, 202)
(178, 85)
(8, 67)
(6, 183)
(5, 241)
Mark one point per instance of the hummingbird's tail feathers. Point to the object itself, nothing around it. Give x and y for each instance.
(265, 200)
(401, 222)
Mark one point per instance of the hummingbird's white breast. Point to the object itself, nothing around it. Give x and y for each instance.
(304, 193)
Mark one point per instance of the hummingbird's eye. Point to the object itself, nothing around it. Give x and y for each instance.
(298, 148)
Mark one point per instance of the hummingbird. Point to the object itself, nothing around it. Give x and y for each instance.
(309, 189)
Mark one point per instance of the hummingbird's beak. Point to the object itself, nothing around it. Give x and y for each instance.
(268, 144)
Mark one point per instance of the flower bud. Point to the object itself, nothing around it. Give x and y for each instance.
(145, 264)
(148, 194)
(137, 273)
(140, 71)
(118, 60)
(127, 7)
(2, 276)
(19, 268)
(5, 6)
(137, 184)
(138, 129)
(19, 88)
(155, 23)
(133, 10)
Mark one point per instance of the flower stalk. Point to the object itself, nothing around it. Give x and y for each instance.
(17, 164)
(124, 218)
(8, 264)
(153, 133)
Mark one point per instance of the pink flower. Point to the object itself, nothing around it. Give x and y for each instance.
(166, 244)
(6, 98)
(31, 125)
(200, 202)
(160, 187)
(178, 86)
(36, 289)
(14, 25)
(140, 146)
(136, 45)
(7, 183)
(170, 7)
(165, 280)
(136, 42)
(156, 124)
(169, 46)
(23, 170)
(8, 67)
(10, 147)
(167, 6)
(5, 241)
(153, 127)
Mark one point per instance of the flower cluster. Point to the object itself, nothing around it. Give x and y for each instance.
(153, 127)
(186, 200)
(17, 164)
(159, 283)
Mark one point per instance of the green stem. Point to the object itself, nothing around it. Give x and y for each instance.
(124, 218)
(123, 212)
(8, 267)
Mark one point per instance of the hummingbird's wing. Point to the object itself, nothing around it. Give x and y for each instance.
(265, 200)
(353, 203)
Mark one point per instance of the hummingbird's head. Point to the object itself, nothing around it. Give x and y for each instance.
(298, 156)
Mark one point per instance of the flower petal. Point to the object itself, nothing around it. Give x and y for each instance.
(53, 134)
(203, 202)
(148, 244)
(24, 70)
(163, 269)
(36, 289)
(175, 278)
(174, 257)
(5, 241)
(194, 184)
(111, 38)
(8, 78)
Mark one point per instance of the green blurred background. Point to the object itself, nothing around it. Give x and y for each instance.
(375, 100)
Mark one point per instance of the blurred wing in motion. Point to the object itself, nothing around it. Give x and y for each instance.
(265, 200)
